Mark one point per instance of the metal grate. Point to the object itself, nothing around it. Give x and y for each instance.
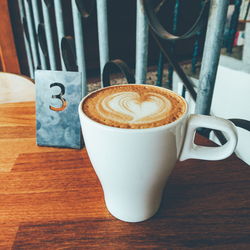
(41, 42)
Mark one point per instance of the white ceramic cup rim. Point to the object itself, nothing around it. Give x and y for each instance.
(129, 130)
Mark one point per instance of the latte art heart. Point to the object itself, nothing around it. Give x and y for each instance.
(134, 106)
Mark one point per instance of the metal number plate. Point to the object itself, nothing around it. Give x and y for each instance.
(58, 94)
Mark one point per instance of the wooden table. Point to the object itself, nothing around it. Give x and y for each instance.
(50, 198)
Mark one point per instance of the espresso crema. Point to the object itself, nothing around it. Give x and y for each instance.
(134, 106)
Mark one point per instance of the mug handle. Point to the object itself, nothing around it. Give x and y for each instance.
(191, 150)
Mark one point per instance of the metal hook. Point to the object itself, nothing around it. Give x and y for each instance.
(162, 32)
(118, 64)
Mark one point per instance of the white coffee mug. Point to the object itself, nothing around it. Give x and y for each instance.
(133, 165)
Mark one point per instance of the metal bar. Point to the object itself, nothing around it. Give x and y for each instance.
(160, 62)
(170, 77)
(233, 25)
(26, 43)
(31, 32)
(160, 70)
(196, 51)
(174, 30)
(176, 15)
(101, 6)
(60, 28)
(211, 54)
(169, 56)
(37, 21)
(49, 37)
(141, 45)
(79, 43)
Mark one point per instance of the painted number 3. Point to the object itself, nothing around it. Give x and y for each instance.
(59, 96)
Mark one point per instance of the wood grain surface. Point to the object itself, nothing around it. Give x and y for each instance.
(50, 198)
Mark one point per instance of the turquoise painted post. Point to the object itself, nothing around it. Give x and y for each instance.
(141, 45)
(196, 51)
(49, 36)
(174, 29)
(161, 58)
(37, 22)
(60, 28)
(196, 48)
(211, 55)
(33, 43)
(102, 33)
(160, 70)
(79, 44)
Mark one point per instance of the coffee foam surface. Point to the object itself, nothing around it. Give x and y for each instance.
(134, 106)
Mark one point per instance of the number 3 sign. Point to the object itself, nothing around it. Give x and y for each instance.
(58, 94)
